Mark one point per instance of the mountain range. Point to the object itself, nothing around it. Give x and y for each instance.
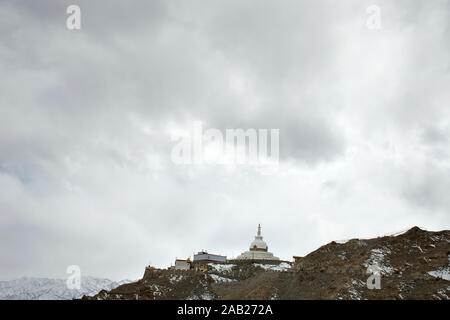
(29, 288)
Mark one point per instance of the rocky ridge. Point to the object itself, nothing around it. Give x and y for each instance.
(412, 265)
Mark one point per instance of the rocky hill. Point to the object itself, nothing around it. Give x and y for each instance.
(413, 265)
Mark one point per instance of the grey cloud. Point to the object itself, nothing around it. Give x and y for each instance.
(429, 189)
(85, 172)
(165, 75)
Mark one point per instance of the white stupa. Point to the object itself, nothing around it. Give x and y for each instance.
(258, 250)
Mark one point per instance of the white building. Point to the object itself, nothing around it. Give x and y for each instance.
(258, 250)
(182, 264)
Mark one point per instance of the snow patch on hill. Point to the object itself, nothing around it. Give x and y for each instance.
(284, 266)
(222, 267)
(217, 278)
(379, 258)
(443, 273)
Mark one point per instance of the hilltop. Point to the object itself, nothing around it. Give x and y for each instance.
(412, 265)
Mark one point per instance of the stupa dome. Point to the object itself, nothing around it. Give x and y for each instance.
(258, 244)
(258, 250)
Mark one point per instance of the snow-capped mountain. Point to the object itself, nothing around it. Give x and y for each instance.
(52, 289)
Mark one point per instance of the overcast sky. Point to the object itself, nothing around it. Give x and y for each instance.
(86, 118)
